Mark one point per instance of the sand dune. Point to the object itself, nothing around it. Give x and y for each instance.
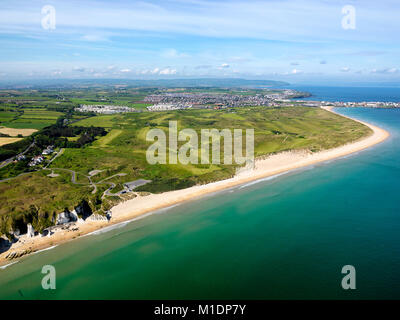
(273, 165)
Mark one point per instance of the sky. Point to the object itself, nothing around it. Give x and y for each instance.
(298, 41)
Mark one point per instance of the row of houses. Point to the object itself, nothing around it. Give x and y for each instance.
(48, 150)
(35, 161)
(104, 109)
(39, 159)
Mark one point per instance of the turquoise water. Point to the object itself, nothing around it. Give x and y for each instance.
(283, 238)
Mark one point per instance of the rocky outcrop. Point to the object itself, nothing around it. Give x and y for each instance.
(46, 233)
(79, 214)
(4, 245)
(62, 218)
(31, 232)
(73, 215)
(18, 254)
(109, 215)
(83, 210)
(66, 217)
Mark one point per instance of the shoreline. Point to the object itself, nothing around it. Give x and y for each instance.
(142, 206)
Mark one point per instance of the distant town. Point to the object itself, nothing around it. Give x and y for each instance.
(182, 101)
(173, 101)
(104, 109)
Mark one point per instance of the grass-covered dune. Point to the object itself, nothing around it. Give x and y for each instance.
(123, 150)
(276, 129)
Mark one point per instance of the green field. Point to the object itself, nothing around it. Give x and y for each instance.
(29, 118)
(122, 150)
(42, 114)
(105, 121)
(7, 116)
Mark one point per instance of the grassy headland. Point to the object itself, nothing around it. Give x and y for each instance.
(120, 155)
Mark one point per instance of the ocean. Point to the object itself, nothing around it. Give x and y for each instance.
(282, 238)
(350, 94)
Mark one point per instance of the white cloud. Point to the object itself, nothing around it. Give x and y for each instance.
(345, 69)
(168, 71)
(385, 71)
(125, 70)
(296, 71)
(153, 31)
(224, 66)
(240, 18)
(158, 71)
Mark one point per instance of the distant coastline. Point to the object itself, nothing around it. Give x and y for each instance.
(140, 206)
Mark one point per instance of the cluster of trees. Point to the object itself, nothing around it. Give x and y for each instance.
(57, 135)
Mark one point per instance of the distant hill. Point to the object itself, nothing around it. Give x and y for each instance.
(168, 83)
(209, 82)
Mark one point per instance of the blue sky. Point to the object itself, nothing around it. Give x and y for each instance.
(296, 41)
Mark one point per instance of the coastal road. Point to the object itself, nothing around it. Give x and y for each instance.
(107, 192)
(59, 153)
(113, 185)
(115, 175)
(8, 161)
(73, 174)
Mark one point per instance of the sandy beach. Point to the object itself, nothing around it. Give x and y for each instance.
(130, 209)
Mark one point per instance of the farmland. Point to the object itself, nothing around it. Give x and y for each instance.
(32, 119)
(4, 141)
(12, 132)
